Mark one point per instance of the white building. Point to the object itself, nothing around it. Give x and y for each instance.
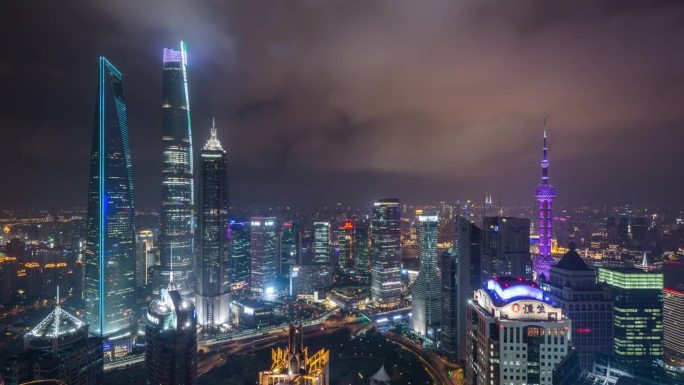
(515, 334)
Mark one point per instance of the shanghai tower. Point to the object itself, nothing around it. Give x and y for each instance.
(110, 303)
(177, 223)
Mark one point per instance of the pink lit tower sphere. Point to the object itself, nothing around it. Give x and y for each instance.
(545, 193)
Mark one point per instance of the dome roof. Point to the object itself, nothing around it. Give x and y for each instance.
(545, 191)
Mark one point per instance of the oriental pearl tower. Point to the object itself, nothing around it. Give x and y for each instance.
(545, 193)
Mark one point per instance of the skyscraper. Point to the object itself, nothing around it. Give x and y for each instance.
(213, 270)
(321, 242)
(573, 286)
(515, 334)
(386, 253)
(673, 309)
(637, 313)
(506, 248)
(240, 255)
(460, 277)
(110, 303)
(427, 296)
(171, 336)
(263, 252)
(345, 242)
(289, 248)
(361, 244)
(57, 347)
(145, 256)
(545, 193)
(177, 224)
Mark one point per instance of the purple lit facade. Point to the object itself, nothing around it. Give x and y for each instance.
(545, 193)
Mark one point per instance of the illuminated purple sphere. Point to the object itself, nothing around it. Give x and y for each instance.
(545, 192)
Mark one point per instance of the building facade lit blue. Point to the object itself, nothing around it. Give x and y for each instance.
(177, 208)
(110, 260)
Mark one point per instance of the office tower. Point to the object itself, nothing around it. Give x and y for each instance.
(427, 296)
(638, 229)
(545, 194)
(623, 229)
(294, 365)
(361, 245)
(54, 275)
(637, 313)
(144, 256)
(240, 255)
(345, 242)
(171, 336)
(506, 248)
(58, 347)
(33, 280)
(178, 196)
(460, 278)
(213, 268)
(263, 252)
(572, 285)
(386, 253)
(515, 334)
(110, 303)
(289, 248)
(8, 278)
(322, 243)
(673, 309)
(16, 248)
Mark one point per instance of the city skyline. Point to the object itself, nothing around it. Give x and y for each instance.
(606, 134)
(383, 206)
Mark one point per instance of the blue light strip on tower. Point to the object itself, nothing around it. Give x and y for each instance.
(102, 202)
(184, 64)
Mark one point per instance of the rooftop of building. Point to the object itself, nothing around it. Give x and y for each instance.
(504, 290)
(572, 261)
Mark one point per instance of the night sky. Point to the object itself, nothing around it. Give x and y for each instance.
(326, 101)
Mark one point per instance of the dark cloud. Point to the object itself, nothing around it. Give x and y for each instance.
(346, 101)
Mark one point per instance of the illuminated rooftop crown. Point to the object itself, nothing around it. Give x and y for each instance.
(58, 323)
(213, 143)
(504, 290)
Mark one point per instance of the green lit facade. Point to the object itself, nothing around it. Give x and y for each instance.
(110, 260)
(637, 313)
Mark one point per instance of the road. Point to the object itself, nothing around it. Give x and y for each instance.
(216, 351)
(437, 367)
(255, 339)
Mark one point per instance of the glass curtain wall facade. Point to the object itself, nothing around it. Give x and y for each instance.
(289, 248)
(386, 253)
(322, 243)
(637, 313)
(110, 256)
(427, 298)
(263, 251)
(177, 212)
(213, 275)
(240, 242)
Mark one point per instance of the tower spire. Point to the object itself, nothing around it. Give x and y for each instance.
(213, 143)
(545, 159)
(545, 194)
